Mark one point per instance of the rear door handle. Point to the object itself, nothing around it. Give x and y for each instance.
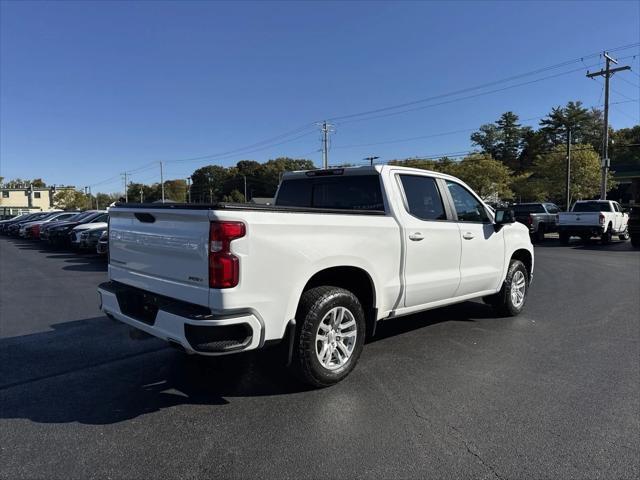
(467, 235)
(416, 237)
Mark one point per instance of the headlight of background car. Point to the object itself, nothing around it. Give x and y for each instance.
(95, 234)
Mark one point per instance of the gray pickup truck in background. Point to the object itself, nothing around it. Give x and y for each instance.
(539, 217)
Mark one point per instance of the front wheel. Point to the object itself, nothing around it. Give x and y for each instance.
(510, 300)
(624, 236)
(330, 336)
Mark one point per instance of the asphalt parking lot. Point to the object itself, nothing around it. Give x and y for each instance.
(455, 392)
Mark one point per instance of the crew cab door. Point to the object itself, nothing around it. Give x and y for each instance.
(431, 239)
(618, 224)
(482, 252)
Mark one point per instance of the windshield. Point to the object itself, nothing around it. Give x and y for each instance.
(592, 207)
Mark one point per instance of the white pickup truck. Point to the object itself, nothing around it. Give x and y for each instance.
(340, 250)
(593, 218)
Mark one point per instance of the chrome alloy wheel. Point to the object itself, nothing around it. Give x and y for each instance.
(518, 288)
(336, 338)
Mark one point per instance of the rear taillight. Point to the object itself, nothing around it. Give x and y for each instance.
(601, 218)
(530, 220)
(224, 267)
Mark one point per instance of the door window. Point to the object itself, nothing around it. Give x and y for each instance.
(423, 197)
(468, 208)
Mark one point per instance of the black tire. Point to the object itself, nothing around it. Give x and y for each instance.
(502, 301)
(606, 236)
(624, 236)
(564, 238)
(315, 304)
(539, 236)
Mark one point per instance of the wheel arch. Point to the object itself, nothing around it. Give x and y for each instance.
(526, 257)
(356, 280)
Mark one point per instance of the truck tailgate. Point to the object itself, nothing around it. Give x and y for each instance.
(579, 218)
(163, 251)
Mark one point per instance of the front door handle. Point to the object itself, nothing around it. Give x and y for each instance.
(467, 236)
(416, 237)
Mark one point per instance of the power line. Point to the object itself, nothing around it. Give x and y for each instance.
(484, 85)
(268, 143)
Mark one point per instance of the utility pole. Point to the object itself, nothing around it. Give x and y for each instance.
(371, 159)
(162, 182)
(568, 174)
(126, 195)
(189, 189)
(326, 129)
(606, 73)
(245, 188)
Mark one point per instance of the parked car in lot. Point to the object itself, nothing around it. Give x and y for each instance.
(59, 234)
(85, 237)
(102, 248)
(16, 228)
(634, 226)
(593, 218)
(539, 217)
(358, 245)
(8, 221)
(32, 229)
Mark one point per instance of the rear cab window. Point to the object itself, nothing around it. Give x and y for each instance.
(527, 208)
(423, 199)
(341, 192)
(592, 207)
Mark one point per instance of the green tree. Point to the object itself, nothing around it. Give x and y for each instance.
(234, 197)
(70, 199)
(38, 183)
(548, 175)
(488, 177)
(501, 140)
(624, 150)
(175, 190)
(103, 200)
(208, 183)
(586, 125)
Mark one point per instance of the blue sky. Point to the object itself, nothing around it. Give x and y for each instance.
(91, 89)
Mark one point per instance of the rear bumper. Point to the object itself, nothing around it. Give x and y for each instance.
(193, 327)
(578, 230)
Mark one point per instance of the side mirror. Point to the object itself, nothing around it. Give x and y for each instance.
(502, 217)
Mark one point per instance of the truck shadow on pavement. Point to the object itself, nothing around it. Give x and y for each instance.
(91, 372)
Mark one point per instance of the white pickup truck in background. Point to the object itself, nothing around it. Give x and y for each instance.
(340, 250)
(593, 218)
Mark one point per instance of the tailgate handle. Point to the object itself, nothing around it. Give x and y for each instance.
(145, 217)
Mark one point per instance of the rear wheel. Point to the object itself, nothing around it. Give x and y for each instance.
(510, 300)
(330, 337)
(606, 236)
(539, 236)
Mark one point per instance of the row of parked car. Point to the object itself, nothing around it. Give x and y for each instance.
(84, 231)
